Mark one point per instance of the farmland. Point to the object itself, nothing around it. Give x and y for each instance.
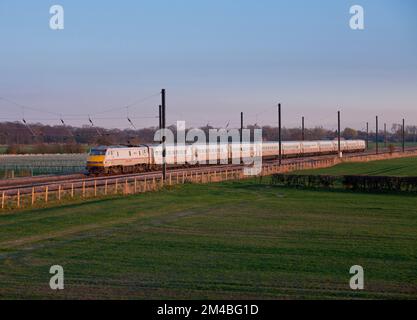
(235, 240)
(392, 167)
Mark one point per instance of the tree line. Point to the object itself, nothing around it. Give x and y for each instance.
(62, 139)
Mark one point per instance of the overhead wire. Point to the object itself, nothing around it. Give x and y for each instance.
(61, 116)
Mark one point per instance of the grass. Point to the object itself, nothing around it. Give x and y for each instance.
(229, 240)
(392, 167)
(372, 144)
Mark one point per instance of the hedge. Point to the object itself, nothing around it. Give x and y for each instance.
(356, 183)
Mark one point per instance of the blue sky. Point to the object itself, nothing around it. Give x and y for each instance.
(214, 57)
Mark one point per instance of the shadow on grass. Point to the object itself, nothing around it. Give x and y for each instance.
(346, 191)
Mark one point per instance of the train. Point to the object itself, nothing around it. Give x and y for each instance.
(148, 157)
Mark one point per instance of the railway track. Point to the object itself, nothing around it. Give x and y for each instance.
(22, 183)
(88, 182)
(78, 181)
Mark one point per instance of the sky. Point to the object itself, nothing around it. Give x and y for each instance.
(215, 58)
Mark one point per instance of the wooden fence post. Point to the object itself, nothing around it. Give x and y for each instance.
(115, 188)
(18, 198)
(46, 194)
(33, 196)
(3, 198)
(59, 193)
(126, 187)
(72, 190)
(136, 186)
(105, 187)
(83, 189)
(95, 188)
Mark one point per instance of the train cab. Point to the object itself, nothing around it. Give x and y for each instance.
(96, 159)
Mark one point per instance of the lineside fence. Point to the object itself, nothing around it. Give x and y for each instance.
(27, 165)
(61, 192)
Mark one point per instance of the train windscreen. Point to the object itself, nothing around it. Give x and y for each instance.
(95, 152)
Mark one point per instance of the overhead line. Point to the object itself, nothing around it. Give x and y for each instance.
(60, 115)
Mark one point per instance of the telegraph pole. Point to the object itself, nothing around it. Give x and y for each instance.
(163, 123)
(279, 135)
(338, 133)
(302, 129)
(367, 136)
(160, 123)
(241, 127)
(376, 135)
(403, 133)
(385, 135)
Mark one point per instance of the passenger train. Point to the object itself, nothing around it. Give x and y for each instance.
(124, 159)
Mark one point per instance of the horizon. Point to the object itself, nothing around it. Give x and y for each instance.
(391, 127)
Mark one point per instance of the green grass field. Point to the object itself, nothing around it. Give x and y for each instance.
(394, 167)
(228, 240)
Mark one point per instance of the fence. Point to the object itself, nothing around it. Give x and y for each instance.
(107, 186)
(30, 165)
(102, 187)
